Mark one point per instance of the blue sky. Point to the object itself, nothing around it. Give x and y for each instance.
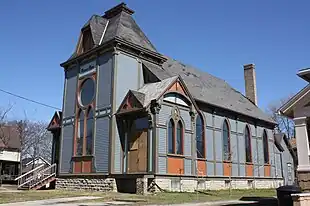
(215, 36)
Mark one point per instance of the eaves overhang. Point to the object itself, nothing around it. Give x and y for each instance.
(121, 45)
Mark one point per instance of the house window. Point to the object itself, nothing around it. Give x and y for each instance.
(179, 143)
(85, 117)
(171, 137)
(87, 40)
(175, 138)
(200, 137)
(247, 138)
(87, 92)
(80, 134)
(226, 141)
(89, 132)
(265, 145)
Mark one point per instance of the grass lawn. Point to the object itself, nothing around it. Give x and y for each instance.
(162, 198)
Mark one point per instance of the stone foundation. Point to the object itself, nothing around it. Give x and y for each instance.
(304, 180)
(104, 185)
(191, 185)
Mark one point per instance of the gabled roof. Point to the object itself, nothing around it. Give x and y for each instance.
(209, 89)
(55, 121)
(287, 108)
(203, 86)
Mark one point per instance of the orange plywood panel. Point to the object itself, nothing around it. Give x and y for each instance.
(175, 165)
(227, 168)
(249, 170)
(267, 169)
(202, 167)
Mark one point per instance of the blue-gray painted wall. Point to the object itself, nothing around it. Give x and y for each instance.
(102, 66)
(128, 75)
(214, 147)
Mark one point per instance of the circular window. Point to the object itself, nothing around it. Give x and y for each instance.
(87, 92)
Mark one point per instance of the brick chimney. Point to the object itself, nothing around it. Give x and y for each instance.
(250, 82)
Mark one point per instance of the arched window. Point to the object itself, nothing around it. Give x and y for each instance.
(247, 138)
(80, 135)
(200, 137)
(179, 138)
(171, 132)
(265, 145)
(89, 132)
(175, 138)
(226, 141)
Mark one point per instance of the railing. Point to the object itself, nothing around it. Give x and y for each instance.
(36, 175)
(25, 177)
(43, 175)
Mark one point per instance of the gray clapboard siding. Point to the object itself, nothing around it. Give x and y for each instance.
(187, 166)
(67, 149)
(70, 93)
(219, 169)
(187, 144)
(162, 141)
(234, 147)
(209, 144)
(210, 168)
(186, 118)
(126, 76)
(218, 146)
(241, 148)
(242, 170)
(117, 153)
(102, 144)
(104, 81)
(162, 165)
(164, 114)
(235, 169)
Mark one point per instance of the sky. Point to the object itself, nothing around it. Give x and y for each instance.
(218, 37)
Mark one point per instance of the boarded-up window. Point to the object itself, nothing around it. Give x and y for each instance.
(87, 40)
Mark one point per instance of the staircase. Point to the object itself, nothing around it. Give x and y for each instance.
(37, 178)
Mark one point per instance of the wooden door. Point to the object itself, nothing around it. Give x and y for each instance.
(137, 152)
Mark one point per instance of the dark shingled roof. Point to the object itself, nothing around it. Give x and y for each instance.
(203, 86)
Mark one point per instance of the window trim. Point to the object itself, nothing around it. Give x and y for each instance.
(203, 136)
(174, 137)
(81, 82)
(229, 141)
(247, 128)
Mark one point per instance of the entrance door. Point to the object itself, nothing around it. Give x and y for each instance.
(137, 152)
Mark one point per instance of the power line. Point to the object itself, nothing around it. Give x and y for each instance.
(30, 100)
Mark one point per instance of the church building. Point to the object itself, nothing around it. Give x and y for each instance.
(136, 120)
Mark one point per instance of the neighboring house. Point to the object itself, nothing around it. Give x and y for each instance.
(298, 109)
(9, 152)
(133, 115)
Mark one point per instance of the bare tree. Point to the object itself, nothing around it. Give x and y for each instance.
(35, 140)
(285, 125)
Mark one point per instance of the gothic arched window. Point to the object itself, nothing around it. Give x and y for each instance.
(226, 141)
(200, 137)
(247, 139)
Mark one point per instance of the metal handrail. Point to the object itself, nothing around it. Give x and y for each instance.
(27, 173)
